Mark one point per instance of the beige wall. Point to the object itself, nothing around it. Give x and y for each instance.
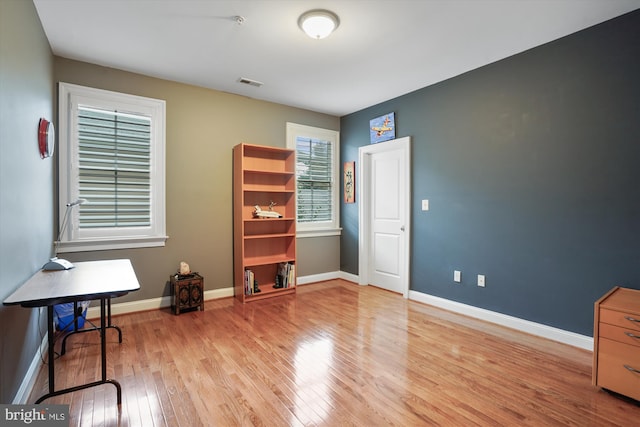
(317, 255)
(202, 127)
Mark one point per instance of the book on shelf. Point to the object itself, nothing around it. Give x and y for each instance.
(286, 275)
(249, 278)
(292, 275)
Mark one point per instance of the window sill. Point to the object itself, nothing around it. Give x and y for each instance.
(107, 244)
(302, 234)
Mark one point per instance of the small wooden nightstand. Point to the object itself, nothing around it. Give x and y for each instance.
(187, 292)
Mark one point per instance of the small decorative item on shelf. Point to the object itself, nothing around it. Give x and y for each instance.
(259, 213)
(278, 284)
(184, 269)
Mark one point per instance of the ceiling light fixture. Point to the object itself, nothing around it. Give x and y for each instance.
(318, 23)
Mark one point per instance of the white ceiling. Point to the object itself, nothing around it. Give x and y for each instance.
(381, 50)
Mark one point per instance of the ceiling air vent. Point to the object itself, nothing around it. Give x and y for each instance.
(250, 82)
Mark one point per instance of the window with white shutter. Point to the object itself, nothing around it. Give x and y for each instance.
(317, 179)
(112, 156)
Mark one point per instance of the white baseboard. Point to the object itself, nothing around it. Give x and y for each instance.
(153, 303)
(29, 380)
(538, 329)
(162, 302)
(533, 328)
(555, 334)
(350, 277)
(313, 278)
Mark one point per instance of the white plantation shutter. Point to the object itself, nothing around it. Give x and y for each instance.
(317, 179)
(114, 168)
(314, 174)
(112, 154)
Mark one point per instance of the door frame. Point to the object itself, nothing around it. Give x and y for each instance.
(363, 183)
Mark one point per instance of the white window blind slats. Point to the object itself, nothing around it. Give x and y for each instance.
(114, 154)
(314, 179)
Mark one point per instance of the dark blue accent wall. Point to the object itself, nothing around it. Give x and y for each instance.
(532, 169)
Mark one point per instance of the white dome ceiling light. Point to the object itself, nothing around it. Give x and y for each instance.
(318, 23)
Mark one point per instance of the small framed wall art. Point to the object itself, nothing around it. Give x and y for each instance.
(383, 128)
(349, 182)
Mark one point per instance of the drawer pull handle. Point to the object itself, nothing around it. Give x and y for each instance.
(632, 369)
(630, 335)
(631, 319)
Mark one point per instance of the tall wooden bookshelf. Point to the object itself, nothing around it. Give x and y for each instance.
(261, 176)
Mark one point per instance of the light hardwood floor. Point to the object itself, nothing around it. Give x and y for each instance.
(335, 354)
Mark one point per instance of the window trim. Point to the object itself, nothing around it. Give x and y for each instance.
(135, 237)
(325, 228)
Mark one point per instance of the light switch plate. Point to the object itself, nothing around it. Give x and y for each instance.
(425, 205)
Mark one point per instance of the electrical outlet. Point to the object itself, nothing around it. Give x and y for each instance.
(481, 280)
(425, 205)
(456, 276)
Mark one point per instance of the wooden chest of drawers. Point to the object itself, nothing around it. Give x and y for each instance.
(616, 338)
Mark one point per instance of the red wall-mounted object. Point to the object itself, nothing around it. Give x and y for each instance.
(46, 138)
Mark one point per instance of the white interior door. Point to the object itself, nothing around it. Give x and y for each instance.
(385, 216)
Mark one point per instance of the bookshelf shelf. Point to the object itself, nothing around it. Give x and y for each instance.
(264, 248)
(267, 260)
(266, 236)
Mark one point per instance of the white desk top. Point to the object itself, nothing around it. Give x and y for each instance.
(86, 281)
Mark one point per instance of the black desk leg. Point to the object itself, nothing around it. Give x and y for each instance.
(103, 346)
(103, 356)
(109, 325)
(52, 357)
(63, 349)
